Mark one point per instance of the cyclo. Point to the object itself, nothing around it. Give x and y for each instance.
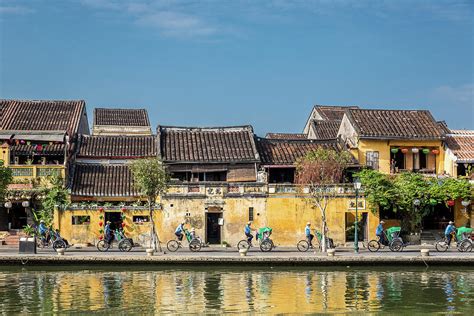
(303, 245)
(463, 240)
(194, 243)
(51, 239)
(124, 244)
(393, 240)
(263, 238)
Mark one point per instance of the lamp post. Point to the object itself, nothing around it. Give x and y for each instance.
(357, 185)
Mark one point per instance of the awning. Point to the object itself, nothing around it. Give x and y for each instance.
(47, 136)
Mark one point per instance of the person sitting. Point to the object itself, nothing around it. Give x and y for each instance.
(248, 232)
(379, 232)
(309, 236)
(449, 231)
(58, 236)
(179, 232)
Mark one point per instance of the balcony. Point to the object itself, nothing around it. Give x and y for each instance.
(34, 171)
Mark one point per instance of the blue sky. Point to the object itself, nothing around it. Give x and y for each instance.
(265, 63)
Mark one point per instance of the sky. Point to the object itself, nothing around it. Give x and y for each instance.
(258, 62)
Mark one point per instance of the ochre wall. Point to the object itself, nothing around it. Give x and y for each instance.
(287, 214)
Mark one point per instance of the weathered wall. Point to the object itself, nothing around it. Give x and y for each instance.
(287, 214)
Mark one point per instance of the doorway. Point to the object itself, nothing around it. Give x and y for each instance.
(115, 219)
(362, 226)
(213, 229)
(17, 216)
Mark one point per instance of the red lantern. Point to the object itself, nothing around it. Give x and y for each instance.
(435, 151)
(451, 203)
(101, 237)
(101, 209)
(101, 223)
(39, 147)
(123, 209)
(404, 150)
(123, 225)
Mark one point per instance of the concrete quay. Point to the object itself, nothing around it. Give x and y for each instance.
(227, 257)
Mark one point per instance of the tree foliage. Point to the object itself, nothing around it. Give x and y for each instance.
(55, 195)
(320, 170)
(151, 179)
(5, 179)
(399, 192)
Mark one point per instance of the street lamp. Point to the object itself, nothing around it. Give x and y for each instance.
(357, 185)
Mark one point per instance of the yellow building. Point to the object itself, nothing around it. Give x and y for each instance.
(36, 142)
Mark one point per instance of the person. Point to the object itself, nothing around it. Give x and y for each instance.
(43, 230)
(380, 232)
(192, 233)
(58, 236)
(450, 229)
(179, 232)
(308, 234)
(248, 232)
(108, 233)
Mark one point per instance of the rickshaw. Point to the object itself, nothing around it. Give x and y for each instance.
(393, 240)
(194, 243)
(303, 245)
(462, 238)
(263, 238)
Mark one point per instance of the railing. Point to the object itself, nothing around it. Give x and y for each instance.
(33, 171)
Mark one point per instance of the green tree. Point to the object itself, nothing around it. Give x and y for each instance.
(55, 195)
(321, 170)
(5, 179)
(151, 179)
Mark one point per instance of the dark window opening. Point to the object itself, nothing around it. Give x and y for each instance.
(250, 214)
(423, 160)
(218, 176)
(81, 220)
(398, 161)
(281, 175)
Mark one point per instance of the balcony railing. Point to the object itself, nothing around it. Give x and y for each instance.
(33, 171)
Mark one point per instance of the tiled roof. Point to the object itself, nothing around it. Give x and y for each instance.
(102, 180)
(26, 150)
(326, 129)
(117, 146)
(285, 136)
(332, 112)
(461, 143)
(40, 115)
(121, 117)
(394, 124)
(444, 127)
(219, 144)
(287, 152)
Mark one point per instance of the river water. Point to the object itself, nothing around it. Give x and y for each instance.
(145, 290)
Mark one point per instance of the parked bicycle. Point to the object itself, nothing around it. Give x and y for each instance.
(462, 238)
(392, 240)
(263, 239)
(195, 244)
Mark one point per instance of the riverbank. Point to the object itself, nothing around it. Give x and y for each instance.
(216, 257)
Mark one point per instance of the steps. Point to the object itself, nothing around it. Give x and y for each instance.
(12, 239)
(430, 236)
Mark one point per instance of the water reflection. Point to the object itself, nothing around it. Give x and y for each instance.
(231, 290)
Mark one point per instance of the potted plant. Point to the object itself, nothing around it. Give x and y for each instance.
(28, 243)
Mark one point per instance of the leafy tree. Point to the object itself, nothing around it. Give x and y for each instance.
(151, 179)
(378, 188)
(321, 169)
(5, 179)
(55, 195)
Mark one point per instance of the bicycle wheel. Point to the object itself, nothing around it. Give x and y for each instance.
(172, 245)
(465, 246)
(103, 246)
(243, 244)
(373, 246)
(125, 245)
(266, 246)
(59, 244)
(195, 245)
(396, 245)
(302, 245)
(441, 246)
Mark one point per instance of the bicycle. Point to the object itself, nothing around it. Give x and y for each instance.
(303, 245)
(194, 243)
(392, 240)
(265, 243)
(463, 242)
